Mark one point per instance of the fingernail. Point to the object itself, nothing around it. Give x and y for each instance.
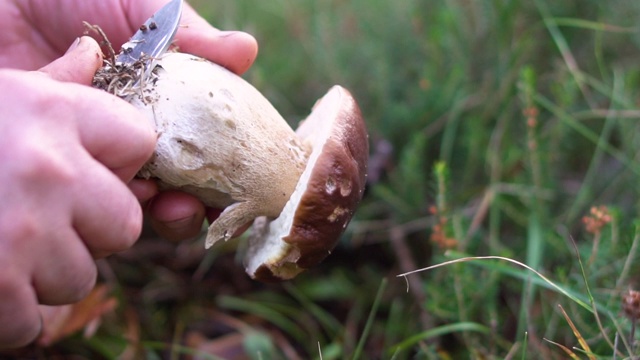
(73, 46)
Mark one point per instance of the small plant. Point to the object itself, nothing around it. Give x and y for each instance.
(631, 308)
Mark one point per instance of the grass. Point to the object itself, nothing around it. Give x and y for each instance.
(496, 127)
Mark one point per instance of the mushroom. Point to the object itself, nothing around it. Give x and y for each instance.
(221, 140)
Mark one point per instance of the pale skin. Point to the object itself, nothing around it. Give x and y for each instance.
(69, 153)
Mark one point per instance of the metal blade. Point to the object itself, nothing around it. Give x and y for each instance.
(154, 36)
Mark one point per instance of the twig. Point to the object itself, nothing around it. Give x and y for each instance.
(104, 40)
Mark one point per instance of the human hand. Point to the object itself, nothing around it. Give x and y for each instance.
(66, 152)
(44, 28)
(35, 32)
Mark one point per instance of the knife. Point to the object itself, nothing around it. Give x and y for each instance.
(153, 37)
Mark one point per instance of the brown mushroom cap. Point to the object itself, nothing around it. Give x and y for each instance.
(326, 195)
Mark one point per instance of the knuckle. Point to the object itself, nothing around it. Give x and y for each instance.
(38, 164)
(16, 227)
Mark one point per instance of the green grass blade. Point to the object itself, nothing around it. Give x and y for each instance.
(590, 25)
(330, 324)
(535, 249)
(439, 331)
(370, 320)
(265, 312)
(185, 350)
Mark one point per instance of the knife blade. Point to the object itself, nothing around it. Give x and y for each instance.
(154, 36)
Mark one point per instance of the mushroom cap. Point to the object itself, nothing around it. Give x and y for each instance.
(325, 197)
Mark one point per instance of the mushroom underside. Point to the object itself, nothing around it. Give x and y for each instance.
(325, 197)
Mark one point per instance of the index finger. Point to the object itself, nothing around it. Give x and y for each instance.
(113, 131)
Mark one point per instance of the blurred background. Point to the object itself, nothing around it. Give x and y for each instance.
(506, 130)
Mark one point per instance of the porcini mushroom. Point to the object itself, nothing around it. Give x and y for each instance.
(221, 140)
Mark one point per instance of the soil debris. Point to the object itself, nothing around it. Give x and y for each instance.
(119, 78)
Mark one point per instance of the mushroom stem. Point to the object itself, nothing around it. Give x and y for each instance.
(221, 140)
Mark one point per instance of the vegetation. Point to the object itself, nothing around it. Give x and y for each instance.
(504, 147)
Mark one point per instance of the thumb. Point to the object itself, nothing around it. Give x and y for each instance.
(78, 64)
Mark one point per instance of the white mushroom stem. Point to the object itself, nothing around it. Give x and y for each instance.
(221, 140)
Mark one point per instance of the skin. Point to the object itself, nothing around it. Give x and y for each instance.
(68, 152)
